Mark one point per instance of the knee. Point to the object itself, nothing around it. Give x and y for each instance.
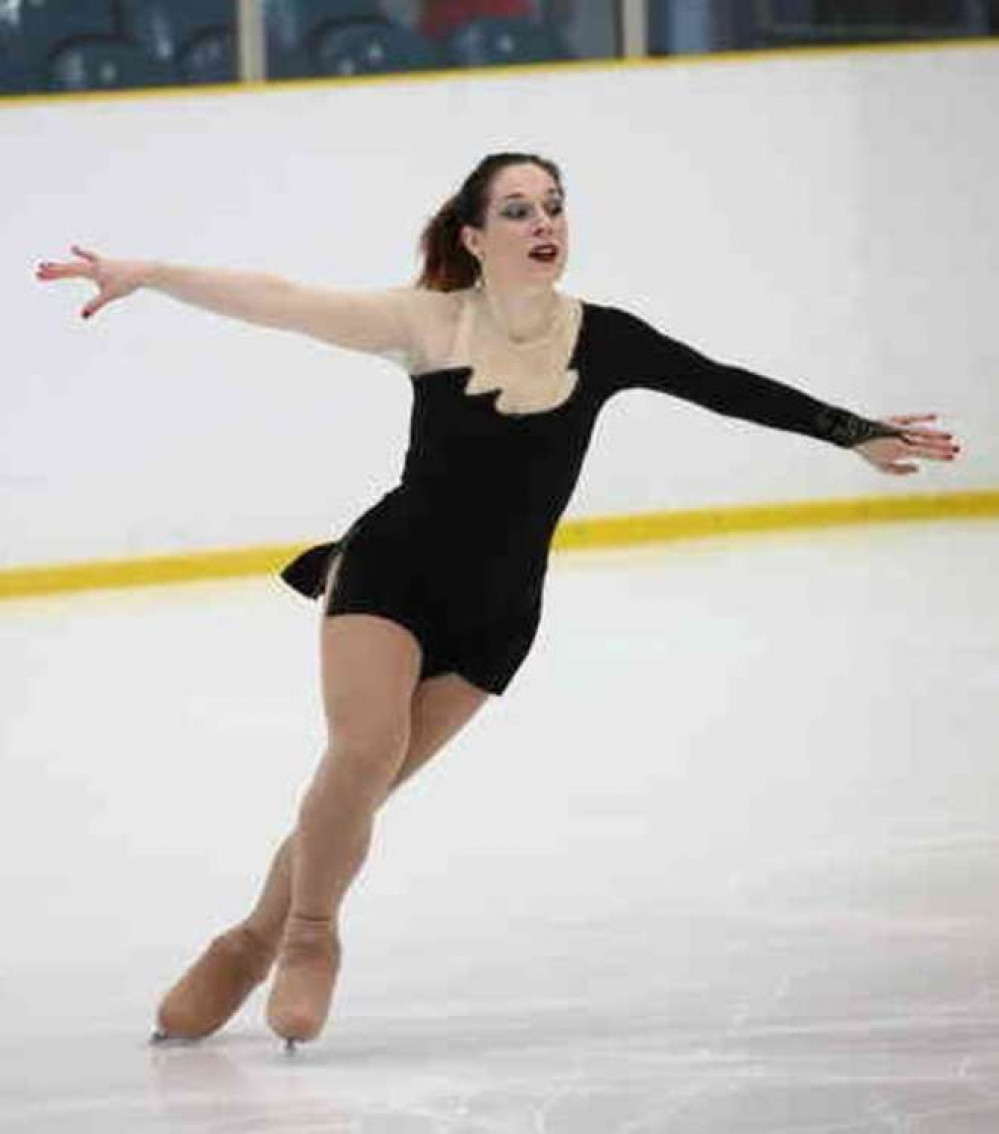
(363, 731)
(366, 752)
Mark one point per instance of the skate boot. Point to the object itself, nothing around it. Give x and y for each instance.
(303, 985)
(215, 985)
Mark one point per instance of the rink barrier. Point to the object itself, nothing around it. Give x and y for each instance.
(573, 534)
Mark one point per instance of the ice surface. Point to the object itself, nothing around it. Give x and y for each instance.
(724, 859)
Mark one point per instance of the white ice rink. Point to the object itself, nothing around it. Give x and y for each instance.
(724, 859)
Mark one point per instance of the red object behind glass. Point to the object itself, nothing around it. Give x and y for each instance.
(441, 17)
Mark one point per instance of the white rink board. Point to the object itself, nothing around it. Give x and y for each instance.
(772, 212)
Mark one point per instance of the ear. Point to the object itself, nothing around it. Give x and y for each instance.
(471, 238)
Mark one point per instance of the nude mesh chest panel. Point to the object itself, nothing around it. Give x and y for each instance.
(527, 377)
(455, 331)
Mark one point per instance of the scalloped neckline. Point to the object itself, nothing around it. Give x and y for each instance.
(466, 373)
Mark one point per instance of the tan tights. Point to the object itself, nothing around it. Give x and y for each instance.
(440, 708)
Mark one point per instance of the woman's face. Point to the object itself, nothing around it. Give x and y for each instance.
(525, 212)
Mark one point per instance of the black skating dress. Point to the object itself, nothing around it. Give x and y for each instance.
(457, 553)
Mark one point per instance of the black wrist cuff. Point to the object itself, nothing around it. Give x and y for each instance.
(847, 430)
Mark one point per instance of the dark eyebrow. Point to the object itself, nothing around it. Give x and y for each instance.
(548, 192)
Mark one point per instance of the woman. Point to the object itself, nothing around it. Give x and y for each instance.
(432, 598)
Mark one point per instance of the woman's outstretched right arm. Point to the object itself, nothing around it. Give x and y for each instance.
(372, 321)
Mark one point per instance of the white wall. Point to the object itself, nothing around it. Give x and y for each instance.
(829, 220)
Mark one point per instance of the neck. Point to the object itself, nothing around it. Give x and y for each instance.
(521, 314)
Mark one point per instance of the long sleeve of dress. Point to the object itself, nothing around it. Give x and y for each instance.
(650, 360)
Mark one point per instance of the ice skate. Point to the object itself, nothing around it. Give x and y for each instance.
(215, 986)
(303, 985)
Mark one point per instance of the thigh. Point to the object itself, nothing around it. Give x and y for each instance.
(441, 707)
(366, 657)
(370, 667)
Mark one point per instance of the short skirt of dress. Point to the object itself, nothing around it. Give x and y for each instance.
(487, 653)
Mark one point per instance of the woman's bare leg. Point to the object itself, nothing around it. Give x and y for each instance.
(212, 989)
(214, 986)
(370, 670)
(440, 709)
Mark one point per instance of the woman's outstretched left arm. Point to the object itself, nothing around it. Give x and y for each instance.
(651, 360)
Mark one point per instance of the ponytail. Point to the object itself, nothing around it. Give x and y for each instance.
(447, 263)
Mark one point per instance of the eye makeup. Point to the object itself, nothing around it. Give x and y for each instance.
(520, 210)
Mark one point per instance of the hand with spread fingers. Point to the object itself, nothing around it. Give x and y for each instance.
(889, 454)
(114, 278)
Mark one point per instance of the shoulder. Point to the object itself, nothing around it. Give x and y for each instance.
(615, 329)
(424, 304)
(433, 318)
(611, 315)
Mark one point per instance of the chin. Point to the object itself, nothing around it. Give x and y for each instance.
(547, 272)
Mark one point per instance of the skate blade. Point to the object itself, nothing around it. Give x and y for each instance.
(164, 1039)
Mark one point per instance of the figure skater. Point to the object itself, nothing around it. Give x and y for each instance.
(431, 599)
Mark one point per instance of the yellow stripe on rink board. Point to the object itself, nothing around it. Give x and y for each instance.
(607, 531)
(654, 527)
(149, 570)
